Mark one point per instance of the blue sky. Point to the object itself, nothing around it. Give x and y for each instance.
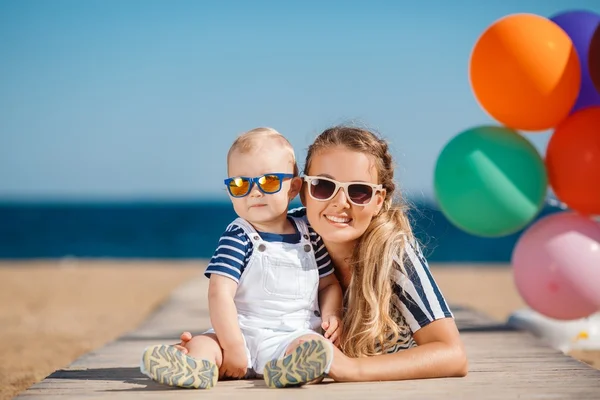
(128, 100)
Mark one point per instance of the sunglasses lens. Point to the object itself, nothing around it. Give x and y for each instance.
(269, 183)
(360, 194)
(321, 189)
(239, 187)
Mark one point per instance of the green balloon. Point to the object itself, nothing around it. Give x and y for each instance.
(490, 181)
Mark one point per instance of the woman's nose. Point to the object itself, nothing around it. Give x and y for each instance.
(341, 199)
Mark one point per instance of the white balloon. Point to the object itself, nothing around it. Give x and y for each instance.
(578, 334)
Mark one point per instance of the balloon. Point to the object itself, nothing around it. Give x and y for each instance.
(490, 181)
(556, 266)
(576, 334)
(525, 72)
(580, 26)
(594, 59)
(573, 161)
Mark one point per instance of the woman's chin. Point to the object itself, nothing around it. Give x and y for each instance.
(344, 235)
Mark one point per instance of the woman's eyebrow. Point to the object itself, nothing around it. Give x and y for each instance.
(331, 177)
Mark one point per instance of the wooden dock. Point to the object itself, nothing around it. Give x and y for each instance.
(503, 364)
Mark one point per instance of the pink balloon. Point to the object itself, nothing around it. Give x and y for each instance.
(556, 266)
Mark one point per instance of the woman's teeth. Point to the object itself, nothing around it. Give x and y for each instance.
(341, 220)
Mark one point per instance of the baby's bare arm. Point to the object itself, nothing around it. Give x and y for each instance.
(224, 320)
(330, 297)
(330, 302)
(223, 313)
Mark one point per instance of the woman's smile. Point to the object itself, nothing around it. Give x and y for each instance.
(338, 220)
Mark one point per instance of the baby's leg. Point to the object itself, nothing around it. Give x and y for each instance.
(205, 347)
(198, 369)
(305, 358)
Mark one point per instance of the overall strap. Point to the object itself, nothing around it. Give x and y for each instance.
(302, 228)
(248, 229)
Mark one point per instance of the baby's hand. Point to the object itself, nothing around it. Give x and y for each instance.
(235, 363)
(332, 326)
(185, 338)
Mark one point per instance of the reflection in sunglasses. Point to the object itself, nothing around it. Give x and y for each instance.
(270, 183)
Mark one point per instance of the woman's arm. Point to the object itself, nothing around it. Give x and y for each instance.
(440, 353)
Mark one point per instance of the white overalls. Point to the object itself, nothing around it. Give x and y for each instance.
(277, 295)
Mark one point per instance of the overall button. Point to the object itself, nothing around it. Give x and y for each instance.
(317, 313)
(307, 248)
(256, 237)
(262, 247)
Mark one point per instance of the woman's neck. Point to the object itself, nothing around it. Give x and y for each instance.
(341, 254)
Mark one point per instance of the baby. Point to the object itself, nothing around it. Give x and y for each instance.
(271, 286)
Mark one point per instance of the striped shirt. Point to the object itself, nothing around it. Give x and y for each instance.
(235, 249)
(417, 300)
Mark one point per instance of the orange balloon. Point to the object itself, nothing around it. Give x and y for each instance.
(573, 161)
(525, 72)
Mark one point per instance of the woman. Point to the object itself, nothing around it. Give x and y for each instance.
(396, 323)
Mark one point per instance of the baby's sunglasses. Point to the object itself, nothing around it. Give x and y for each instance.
(240, 186)
(324, 189)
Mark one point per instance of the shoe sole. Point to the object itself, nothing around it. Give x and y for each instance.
(169, 366)
(305, 364)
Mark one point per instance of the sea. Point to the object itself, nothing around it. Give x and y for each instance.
(191, 230)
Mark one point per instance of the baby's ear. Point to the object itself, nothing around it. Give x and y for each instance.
(295, 187)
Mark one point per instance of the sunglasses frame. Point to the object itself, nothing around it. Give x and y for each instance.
(254, 180)
(344, 185)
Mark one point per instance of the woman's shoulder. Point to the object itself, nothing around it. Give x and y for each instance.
(299, 212)
(412, 246)
(413, 259)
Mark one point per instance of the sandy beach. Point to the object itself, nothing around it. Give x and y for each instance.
(52, 312)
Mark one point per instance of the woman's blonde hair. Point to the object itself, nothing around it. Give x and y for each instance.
(379, 254)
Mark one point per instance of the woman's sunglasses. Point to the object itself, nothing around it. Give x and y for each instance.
(324, 189)
(240, 186)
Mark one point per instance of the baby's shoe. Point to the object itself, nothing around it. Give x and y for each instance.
(169, 366)
(309, 362)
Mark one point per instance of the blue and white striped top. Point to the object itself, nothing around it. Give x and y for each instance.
(235, 249)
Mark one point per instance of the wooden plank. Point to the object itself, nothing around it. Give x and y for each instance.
(504, 364)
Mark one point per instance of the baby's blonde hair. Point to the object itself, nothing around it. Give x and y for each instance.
(249, 140)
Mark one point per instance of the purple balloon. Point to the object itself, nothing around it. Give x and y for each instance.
(594, 59)
(580, 26)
